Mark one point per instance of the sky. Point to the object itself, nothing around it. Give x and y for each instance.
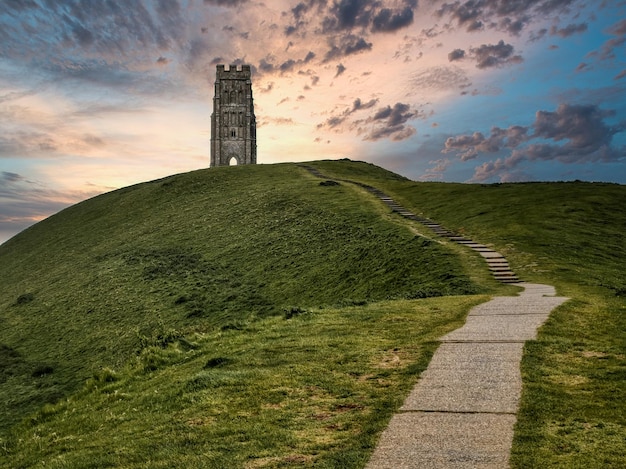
(101, 94)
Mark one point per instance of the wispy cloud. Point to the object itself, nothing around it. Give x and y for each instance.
(124, 89)
(25, 202)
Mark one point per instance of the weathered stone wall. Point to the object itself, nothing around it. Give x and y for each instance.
(233, 123)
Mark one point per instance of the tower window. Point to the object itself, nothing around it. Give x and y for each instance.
(233, 133)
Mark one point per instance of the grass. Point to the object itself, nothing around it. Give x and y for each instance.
(142, 270)
(251, 317)
(571, 235)
(314, 390)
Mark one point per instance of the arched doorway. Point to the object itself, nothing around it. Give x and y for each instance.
(233, 161)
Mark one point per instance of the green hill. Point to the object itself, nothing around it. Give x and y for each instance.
(253, 317)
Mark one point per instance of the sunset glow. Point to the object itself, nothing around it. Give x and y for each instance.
(100, 95)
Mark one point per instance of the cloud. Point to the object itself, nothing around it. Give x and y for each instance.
(568, 30)
(618, 29)
(346, 45)
(367, 14)
(358, 105)
(509, 16)
(396, 115)
(225, 3)
(388, 21)
(581, 126)
(386, 122)
(469, 146)
(25, 202)
(266, 66)
(435, 173)
(11, 177)
(494, 55)
(456, 54)
(467, 14)
(26, 143)
(389, 122)
(440, 78)
(351, 16)
(46, 143)
(265, 120)
(607, 50)
(570, 134)
(488, 55)
(108, 43)
(340, 70)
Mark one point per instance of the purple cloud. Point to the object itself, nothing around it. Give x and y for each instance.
(580, 134)
(348, 45)
(494, 55)
(488, 55)
(387, 122)
(387, 20)
(509, 16)
(456, 54)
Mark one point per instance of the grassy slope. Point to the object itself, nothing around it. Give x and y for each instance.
(144, 269)
(252, 389)
(571, 235)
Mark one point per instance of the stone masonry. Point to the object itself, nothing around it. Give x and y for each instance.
(233, 124)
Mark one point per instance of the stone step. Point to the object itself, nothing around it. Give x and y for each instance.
(504, 275)
(511, 280)
(496, 263)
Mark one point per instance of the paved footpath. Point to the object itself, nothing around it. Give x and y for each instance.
(462, 411)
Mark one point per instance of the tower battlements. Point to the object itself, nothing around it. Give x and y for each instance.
(233, 71)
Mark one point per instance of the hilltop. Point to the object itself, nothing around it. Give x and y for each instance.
(209, 249)
(284, 318)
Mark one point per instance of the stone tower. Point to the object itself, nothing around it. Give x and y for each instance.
(233, 125)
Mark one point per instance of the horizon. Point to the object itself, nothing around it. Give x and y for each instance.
(578, 181)
(105, 96)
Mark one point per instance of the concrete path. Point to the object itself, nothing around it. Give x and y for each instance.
(462, 411)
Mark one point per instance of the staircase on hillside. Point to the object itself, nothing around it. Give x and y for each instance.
(496, 262)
